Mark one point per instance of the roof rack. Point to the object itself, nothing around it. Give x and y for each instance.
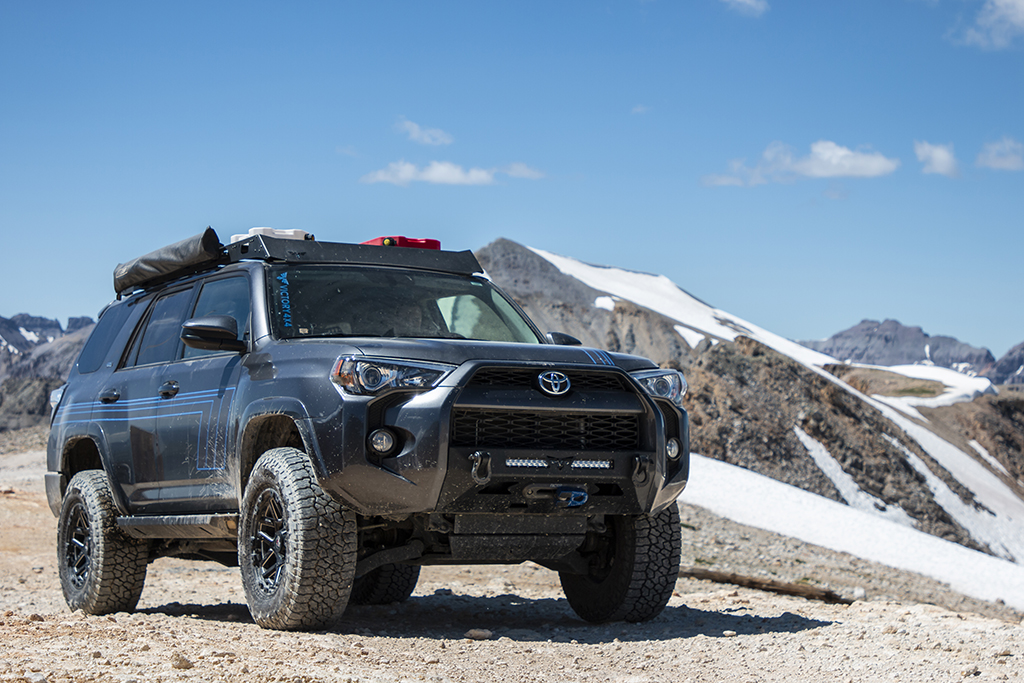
(204, 251)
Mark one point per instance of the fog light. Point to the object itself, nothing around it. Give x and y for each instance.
(382, 441)
(673, 449)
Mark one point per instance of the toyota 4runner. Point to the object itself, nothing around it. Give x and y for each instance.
(331, 417)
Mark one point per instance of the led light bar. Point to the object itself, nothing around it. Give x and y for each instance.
(592, 464)
(525, 462)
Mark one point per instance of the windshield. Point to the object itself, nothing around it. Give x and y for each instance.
(365, 301)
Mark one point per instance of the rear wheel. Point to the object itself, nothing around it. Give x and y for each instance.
(633, 571)
(101, 569)
(296, 545)
(385, 585)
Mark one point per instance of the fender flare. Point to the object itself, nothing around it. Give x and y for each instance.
(93, 432)
(271, 406)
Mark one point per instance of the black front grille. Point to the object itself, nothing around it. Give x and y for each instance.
(583, 380)
(545, 431)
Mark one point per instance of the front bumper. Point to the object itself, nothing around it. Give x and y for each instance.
(449, 464)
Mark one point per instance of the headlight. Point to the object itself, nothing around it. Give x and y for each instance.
(373, 376)
(667, 384)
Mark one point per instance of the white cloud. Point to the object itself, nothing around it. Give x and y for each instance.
(997, 25)
(829, 160)
(446, 173)
(752, 8)
(937, 159)
(424, 136)
(826, 160)
(1005, 155)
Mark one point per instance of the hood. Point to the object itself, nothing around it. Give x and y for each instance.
(459, 351)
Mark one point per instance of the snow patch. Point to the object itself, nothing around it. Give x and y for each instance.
(960, 388)
(759, 501)
(29, 334)
(982, 525)
(988, 457)
(663, 296)
(605, 302)
(899, 404)
(691, 337)
(13, 350)
(964, 369)
(853, 494)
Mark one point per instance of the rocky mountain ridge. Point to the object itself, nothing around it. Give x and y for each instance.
(890, 343)
(36, 355)
(1009, 369)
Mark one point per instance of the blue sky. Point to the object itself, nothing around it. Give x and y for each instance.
(803, 165)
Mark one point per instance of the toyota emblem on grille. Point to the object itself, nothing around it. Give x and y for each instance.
(553, 383)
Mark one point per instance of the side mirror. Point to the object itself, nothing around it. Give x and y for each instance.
(212, 333)
(563, 339)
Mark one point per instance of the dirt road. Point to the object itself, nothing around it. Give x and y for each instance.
(192, 624)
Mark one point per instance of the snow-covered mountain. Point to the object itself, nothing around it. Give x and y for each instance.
(780, 409)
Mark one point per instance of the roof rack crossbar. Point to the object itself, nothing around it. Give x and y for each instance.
(264, 248)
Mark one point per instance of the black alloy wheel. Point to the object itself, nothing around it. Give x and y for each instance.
(269, 545)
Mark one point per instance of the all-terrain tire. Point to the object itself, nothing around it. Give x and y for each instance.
(101, 569)
(385, 585)
(296, 545)
(632, 576)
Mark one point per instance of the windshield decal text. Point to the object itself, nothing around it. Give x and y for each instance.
(286, 301)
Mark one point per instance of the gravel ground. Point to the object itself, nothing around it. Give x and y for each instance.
(485, 623)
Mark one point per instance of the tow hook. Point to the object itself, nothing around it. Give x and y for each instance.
(564, 496)
(481, 471)
(640, 465)
(570, 497)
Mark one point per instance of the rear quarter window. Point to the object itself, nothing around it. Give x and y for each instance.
(98, 347)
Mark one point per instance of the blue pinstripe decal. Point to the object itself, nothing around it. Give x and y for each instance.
(598, 357)
(211, 457)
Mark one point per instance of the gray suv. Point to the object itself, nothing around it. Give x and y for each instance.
(331, 417)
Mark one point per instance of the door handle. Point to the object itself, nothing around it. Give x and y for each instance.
(169, 389)
(109, 396)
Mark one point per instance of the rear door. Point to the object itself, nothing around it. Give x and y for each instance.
(128, 410)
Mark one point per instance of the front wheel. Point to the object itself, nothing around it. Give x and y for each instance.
(296, 545)
(633, 571)
(101, 569)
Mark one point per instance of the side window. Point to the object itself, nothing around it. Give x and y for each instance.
(228, 296)
(96, 349)
(161, 335)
